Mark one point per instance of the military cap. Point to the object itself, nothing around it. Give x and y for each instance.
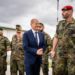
(68, 7)
(41, 24)
(18, 27)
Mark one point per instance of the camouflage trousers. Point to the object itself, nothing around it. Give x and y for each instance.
(45, 64)
(3, 66)
(64, 65)
(45, 69)
(17, 65)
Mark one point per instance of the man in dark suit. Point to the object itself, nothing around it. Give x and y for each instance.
(34, 46)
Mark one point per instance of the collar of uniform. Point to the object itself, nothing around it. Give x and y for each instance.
(72, 22)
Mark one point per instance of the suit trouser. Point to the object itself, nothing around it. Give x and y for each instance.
(33, 69)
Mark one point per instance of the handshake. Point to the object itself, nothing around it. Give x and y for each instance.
(40, 52)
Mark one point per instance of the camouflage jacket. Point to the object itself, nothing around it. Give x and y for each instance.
(4, 46)
(66, 35)
(48, 46)
(48, 42)
(17, 49)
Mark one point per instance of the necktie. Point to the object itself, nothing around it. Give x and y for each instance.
(36, 38)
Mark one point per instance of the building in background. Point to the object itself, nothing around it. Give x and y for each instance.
(8, 30)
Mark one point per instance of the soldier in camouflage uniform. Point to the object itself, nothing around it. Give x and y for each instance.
(4, 47)
(48, 46)
(17, 54)
(64, 41)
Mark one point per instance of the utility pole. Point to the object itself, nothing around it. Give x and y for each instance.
(57, 10)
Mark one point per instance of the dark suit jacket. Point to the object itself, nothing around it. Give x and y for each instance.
(30, 46)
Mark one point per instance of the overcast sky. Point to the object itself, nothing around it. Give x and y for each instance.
(22, 11)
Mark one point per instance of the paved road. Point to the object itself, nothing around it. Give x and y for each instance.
(8, 67)
(8, 71)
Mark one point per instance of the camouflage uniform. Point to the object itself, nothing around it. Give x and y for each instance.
(65, 54)
(4, 46)
(45, 55)
(17, 56)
